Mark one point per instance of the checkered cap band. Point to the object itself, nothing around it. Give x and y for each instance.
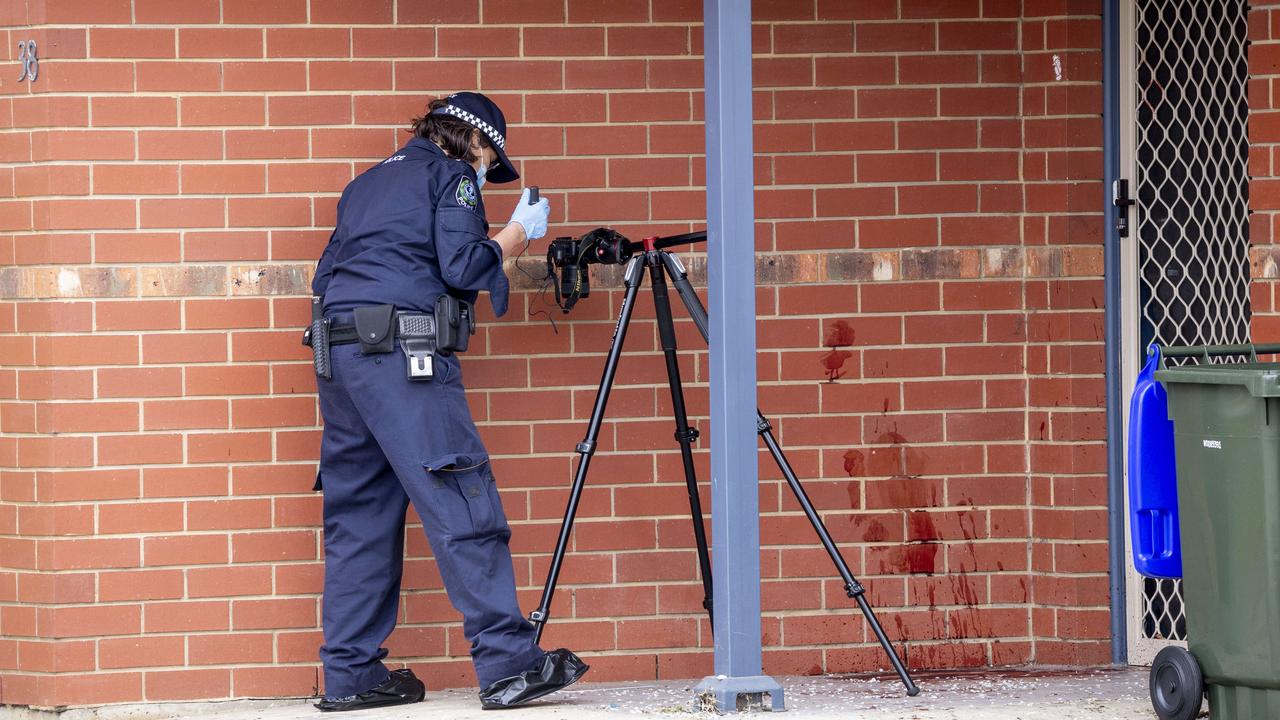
(492, 133)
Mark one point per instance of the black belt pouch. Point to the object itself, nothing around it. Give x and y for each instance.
(455, 324)
(375, 325)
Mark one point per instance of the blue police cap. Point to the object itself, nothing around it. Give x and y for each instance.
(482, 113)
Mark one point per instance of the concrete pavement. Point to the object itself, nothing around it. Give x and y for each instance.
(1106, 694)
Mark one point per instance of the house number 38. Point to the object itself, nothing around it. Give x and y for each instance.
(30, 63)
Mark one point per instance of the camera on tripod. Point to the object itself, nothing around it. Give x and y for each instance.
(602, 245)
(572, 255)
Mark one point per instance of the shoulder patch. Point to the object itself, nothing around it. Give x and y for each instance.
(466, 193)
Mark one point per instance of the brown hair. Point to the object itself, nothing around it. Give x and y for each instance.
(450, 133)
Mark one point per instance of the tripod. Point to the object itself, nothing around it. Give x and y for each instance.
(661, 264)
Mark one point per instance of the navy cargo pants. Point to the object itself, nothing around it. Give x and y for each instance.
(387, 442)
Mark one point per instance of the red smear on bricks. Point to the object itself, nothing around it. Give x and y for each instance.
(833, 362)
(840, 334)
(874, 532)
(920, 526)
(855, 465)
(921, 559)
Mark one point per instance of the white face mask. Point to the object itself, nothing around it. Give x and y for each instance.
(480, 174)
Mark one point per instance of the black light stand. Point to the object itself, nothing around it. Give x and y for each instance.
(661, 263)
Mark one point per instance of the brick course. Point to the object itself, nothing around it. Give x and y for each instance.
(929, 261)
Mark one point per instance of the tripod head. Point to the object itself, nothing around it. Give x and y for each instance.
(602, 245)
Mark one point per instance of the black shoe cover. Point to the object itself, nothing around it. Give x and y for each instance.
(557, 670)
(401, 688)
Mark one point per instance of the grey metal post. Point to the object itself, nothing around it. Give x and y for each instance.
(735, 513)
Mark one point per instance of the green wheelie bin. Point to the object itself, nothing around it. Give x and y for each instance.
(1226, 419)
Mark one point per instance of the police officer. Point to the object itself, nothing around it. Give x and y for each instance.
(411, 238)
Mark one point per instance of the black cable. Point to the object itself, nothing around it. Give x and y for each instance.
(546, 281)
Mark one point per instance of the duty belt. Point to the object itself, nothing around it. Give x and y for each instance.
(408, 325)
(378, 329)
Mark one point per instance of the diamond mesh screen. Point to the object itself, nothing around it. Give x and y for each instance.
(1193, 197)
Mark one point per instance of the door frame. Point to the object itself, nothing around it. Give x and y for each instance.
(1117, 551)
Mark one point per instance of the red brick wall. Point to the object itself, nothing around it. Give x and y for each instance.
(930, 300)
(1264, 188)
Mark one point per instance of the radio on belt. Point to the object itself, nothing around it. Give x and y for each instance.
(418, 342)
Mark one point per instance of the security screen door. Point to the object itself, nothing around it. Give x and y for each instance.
(1186, 265)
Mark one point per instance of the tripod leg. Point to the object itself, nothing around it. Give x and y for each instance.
(685, 435)
(692, 303)
(851, 585)
(587, 447)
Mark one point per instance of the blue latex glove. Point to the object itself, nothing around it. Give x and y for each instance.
(533, 218)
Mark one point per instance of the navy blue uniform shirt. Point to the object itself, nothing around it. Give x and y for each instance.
(409, 230)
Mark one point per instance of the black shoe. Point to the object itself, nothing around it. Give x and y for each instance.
(401, 688)
(557, 670)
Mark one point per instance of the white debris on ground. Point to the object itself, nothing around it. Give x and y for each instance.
(1105, 694)
(1026, 695)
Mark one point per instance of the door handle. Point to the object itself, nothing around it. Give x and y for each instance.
(1121, 199)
